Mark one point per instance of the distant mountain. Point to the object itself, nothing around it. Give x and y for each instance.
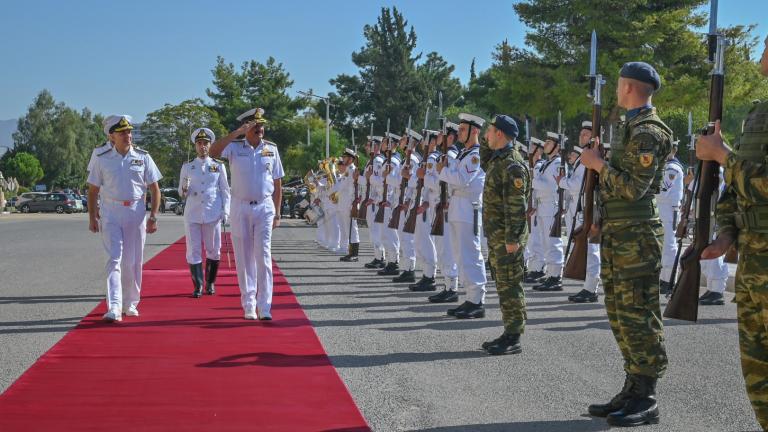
(7, 128)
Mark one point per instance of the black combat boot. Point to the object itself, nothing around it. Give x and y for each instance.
(711, 298)
(641, 408)
(485, 345)
(424, 284)
(583, 296)
(211, 269)
(444, 296)
(533, 276)
(618, 401)
(374, 264)
(471, 310)
(391, 269)
(405, 276)
(197, 279)
(552, 283)
(354, 249)
(508, 343)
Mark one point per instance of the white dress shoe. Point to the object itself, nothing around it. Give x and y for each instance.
(250, 314)
(112, 316)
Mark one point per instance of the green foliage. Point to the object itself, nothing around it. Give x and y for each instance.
(25, 167)
(167, 132)
(299, 158)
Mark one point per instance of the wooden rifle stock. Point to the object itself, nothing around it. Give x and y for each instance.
(363, 211)
(438, 225)
(394, 220)
(684, 303)
(410, 222)
(557, 226)
(380, 211)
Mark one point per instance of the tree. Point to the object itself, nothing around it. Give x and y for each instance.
(166, 134)
(391, 83)
(25, 167)
(299, 158)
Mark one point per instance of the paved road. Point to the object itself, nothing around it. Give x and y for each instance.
(407, 365)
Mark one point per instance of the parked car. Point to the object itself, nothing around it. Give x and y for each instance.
(178, 208)
(294, 209)
(170, 203)
(58, 202)
(26, 196)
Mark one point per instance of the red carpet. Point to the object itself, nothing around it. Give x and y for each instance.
(185, 365)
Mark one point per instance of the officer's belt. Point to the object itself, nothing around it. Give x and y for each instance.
(643, 209)
(465, 193)
(124, 203)
(753, 219)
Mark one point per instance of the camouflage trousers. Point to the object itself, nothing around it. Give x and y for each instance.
(630, 267)
(508, 272)
(752, 309)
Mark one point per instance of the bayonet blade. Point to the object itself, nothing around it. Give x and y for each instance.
(593, 54)
(690, 123)
(440, 104)
(559, 122)
(713, 17)
(426, 118)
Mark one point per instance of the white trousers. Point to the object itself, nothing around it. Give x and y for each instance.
(669, 219)
(252, 242)
(425, 245)
(592, 280)
(552, 247)
(123, 232)
(534, 249)
(333, 229)
(374, 230)
(466, 247)
(447, 260)
(389, 238)
(346, 223)
(407, 245)
(201, 235)
(321, 232)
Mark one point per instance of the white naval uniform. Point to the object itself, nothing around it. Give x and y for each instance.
(331, 225)
(389, 238)
(408, 240)
(207, 202)
(96, 152)
(122, 182)
(715, 270)
(443, 246)
(573, 184)
(345, 187)
(534, 249)
(322, 231)
(467, 178)
(426, 253)
(546, 210)
(668, 200)
(375, 230)
(254, 171)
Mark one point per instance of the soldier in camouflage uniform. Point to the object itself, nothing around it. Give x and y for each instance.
(742, 216)
(505, 203)
(631, 245)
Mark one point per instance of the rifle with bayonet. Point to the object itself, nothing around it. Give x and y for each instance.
(410, 221)
(387, 166)
(557, 226)
(684, 302)
(363, 212)
(681, 231)
(394, 220)
(576, 265)
(356, 202)
(530, 167)
(441, 210)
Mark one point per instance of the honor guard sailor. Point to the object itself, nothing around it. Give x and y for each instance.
(203, 184)
(117, 184)
(257, 174)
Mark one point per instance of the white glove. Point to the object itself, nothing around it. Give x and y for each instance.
(225, 219)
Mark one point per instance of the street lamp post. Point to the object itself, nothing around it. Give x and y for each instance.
(327, 120)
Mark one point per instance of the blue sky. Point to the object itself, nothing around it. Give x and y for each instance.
(132, 57)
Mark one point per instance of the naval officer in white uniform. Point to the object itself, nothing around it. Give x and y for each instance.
(203, 183)
(257, 174)
(117, 184)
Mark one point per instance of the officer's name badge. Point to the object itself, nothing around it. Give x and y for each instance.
(137, 162)
(213, 168)
(518, 182)
(266, 153)
(646, 159)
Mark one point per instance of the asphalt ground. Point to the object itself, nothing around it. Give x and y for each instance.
(408, 366)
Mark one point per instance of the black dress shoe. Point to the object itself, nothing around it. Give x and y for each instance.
(452, 311)
(348, 258)
(641, 408)
(506, 344)
(373, 264)
(713, 299)
(533, 277)
(424, 284)
(444, 296)
(616, 403)
(665, 287)
(552, 283)
(391, 269)
(405, 276)
(583, 296)
(472, 310)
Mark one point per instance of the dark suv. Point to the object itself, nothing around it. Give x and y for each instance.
(51, 202)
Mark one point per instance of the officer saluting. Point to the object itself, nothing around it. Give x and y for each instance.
(121, 175)
(203, 182)
(256, 195)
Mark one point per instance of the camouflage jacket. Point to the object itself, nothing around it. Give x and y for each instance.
(743, 209)
(633, 175)
(505, 197)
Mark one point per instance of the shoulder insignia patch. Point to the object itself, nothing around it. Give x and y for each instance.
(518, 182)
(475, 160)
(646, 159)
(105, 152)
(429, 165)
(140, 150)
